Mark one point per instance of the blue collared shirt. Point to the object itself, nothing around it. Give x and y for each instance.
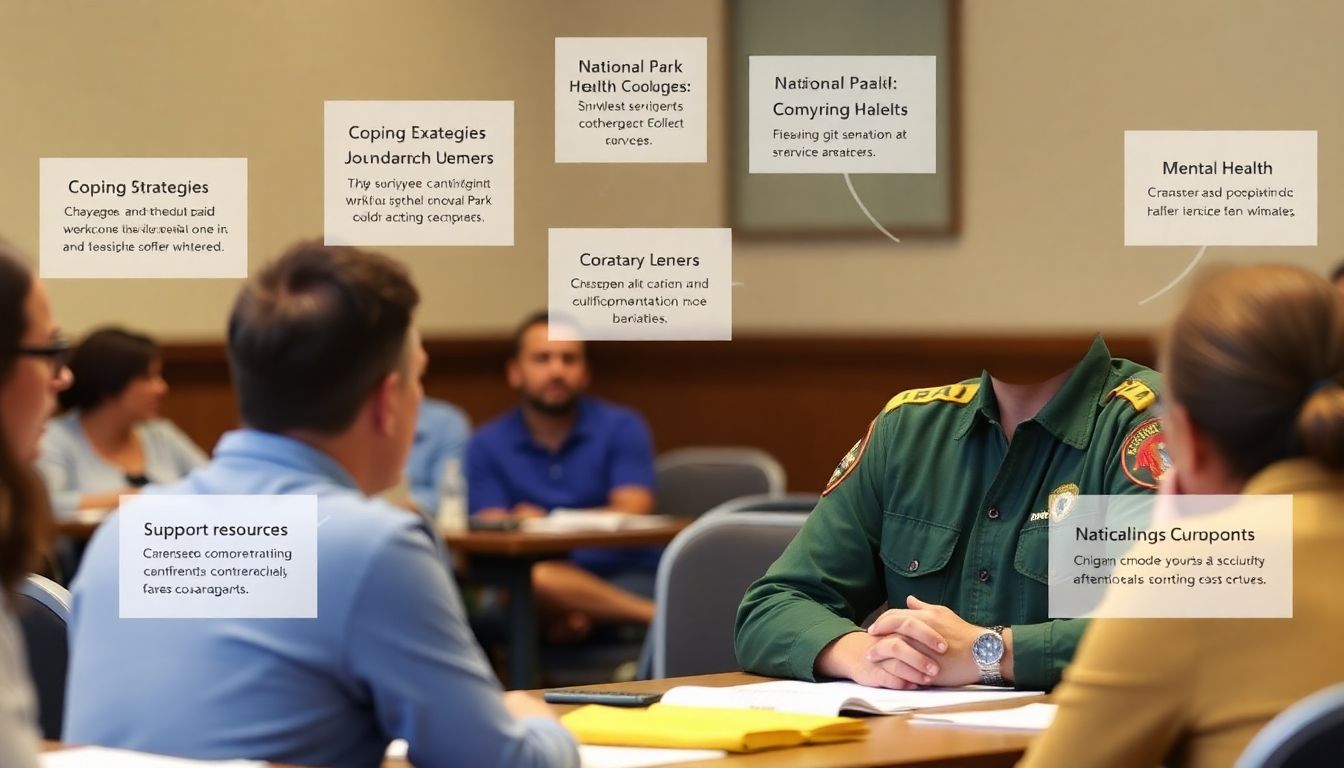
(441, 434)
(608, 447)
(388, 656)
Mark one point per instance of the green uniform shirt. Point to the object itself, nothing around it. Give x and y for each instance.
(935, 502)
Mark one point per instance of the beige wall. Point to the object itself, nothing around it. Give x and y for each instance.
(1048, 87)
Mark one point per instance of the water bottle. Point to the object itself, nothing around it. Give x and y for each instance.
(452, 513)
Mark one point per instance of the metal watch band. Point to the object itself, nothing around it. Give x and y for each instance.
(991, 674)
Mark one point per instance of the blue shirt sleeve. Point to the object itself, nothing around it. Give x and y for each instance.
(409, 643)
(55, 463)
(631, 454)
(485, 480)
(447, 429)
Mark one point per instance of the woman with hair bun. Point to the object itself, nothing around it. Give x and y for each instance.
(1254, 372)
(110, 441)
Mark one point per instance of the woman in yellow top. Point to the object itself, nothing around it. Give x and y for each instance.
(1253, 368)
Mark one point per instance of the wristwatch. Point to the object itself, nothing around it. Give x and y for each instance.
(988, 653)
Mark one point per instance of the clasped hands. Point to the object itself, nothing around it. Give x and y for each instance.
(920, 645)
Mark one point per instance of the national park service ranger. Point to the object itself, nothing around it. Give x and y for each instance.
(942, 511)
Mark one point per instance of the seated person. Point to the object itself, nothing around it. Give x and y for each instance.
(1254, 401)
(562, 449)
(1337, 276)
(32, 372)
(941, 511)
(327, 365)
(441, 434)
(110, 440)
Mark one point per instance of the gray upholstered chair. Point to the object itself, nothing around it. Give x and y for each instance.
(1310, 733)
(44, 612)
(691, 481)
(701, 579)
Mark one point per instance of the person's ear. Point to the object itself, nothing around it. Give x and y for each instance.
(384, 401)
(514, 373)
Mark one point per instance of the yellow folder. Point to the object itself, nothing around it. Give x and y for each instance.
(735, 730)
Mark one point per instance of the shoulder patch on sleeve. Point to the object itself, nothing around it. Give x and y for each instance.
(1143, 454)
(1139, 394)
(952, 393)
(849, 461)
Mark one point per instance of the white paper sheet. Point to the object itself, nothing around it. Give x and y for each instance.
(614, 757)
(100, 757)
(640, 757)
(584, 520)
(1028, 717)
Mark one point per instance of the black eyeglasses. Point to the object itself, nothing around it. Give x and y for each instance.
(57, 354)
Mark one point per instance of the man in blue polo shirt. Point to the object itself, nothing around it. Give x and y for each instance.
(562, 449)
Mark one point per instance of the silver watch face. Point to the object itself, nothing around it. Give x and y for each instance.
(987, 648)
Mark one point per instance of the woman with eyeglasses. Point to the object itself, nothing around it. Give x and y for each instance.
(32, 372)
(1254, 372)
(110, 441)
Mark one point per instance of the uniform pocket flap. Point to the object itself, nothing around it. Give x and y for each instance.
(1032, 558)
(914, 547)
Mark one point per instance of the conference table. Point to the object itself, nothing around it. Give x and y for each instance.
(505, 559)
(894, 741)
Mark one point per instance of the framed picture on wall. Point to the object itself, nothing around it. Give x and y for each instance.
(822, 204)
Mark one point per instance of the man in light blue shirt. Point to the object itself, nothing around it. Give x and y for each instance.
(327, 364)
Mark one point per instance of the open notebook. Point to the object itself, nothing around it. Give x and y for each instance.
(833, 698)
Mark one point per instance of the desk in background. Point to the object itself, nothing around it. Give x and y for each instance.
(505, 559)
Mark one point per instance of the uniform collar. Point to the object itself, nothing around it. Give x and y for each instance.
(282, 451)
(1069, 415)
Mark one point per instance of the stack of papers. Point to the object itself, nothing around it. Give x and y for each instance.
(584, 520)
(733, 730)
(99, 757)
(1029, 717)
(834, 698)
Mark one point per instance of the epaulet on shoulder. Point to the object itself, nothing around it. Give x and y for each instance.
(1136, 392)
(960, 393)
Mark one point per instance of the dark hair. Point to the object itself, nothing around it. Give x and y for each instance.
(1337, 273)
(540, 317)
(1257, 358)
(314, 332)
(104, 363)
(25, 512)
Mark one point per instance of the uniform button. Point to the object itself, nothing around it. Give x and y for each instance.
(993, 513)
(983, 575)
(913, 566)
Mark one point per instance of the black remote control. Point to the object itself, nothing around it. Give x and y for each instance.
(610, 698)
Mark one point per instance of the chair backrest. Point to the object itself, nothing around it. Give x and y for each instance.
(44, 612)
(764, 502)
(701, 579)
(691, 481)
(1310, 733)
